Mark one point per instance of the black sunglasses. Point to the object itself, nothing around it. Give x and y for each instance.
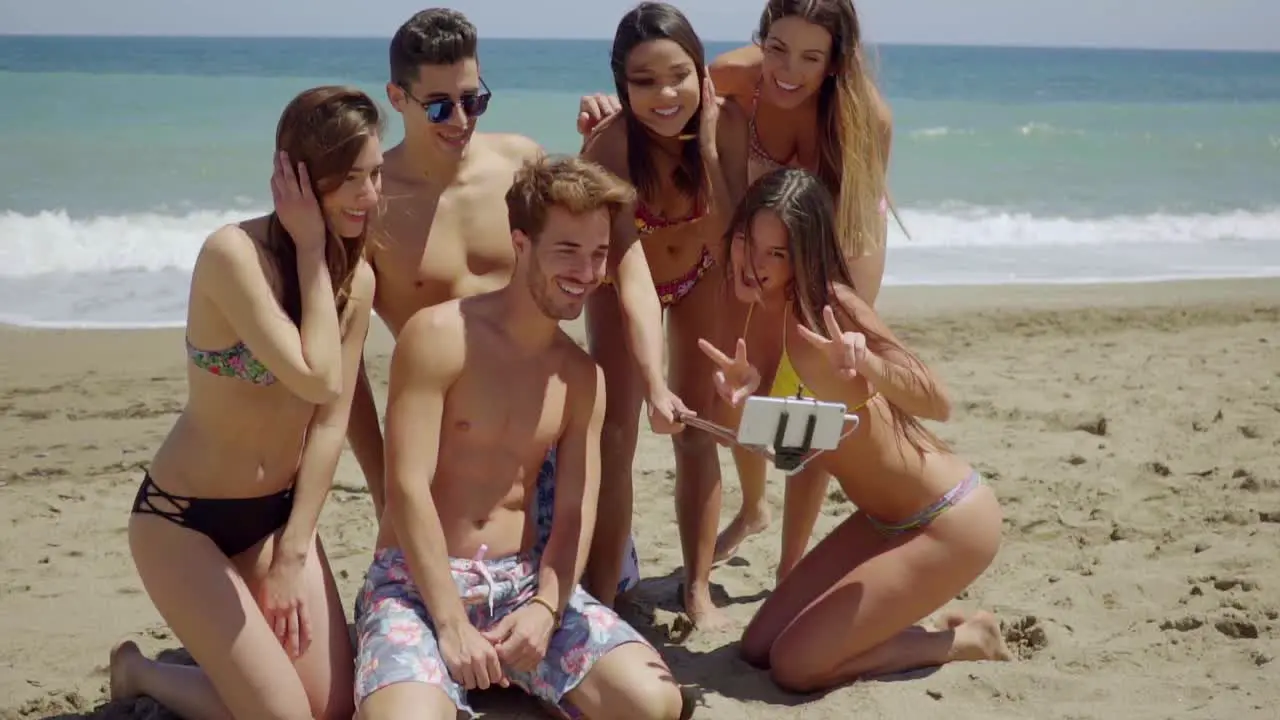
(441, 109)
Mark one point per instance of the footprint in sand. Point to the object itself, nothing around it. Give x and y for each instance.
(1025, 636)
(1236, 628)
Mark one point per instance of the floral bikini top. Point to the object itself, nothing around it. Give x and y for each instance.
(235, 362)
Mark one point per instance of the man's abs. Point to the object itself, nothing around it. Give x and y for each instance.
(474, 514)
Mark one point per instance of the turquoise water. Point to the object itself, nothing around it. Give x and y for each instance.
(1010, 165)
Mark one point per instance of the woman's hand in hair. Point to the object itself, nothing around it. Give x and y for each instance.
(296, 204)
(735, 378)
(710, 121)
(846, 351)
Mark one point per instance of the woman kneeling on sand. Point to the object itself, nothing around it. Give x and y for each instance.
(926, 527)
(223, 529)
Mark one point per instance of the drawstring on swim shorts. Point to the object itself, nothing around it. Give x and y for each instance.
(488, 576)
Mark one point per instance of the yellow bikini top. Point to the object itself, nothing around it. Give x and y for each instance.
(786, 381)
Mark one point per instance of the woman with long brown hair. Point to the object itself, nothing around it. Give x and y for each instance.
(812, 103)
(926, 526)
(223, 528)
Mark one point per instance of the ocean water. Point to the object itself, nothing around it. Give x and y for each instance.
(120, 155)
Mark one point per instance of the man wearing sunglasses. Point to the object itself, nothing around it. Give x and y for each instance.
(447, 233)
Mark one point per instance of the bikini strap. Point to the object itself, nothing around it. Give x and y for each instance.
(786, 313)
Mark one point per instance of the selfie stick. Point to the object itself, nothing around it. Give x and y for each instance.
(721, 432)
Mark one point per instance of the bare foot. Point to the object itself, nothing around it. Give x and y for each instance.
(979, 638)
(125, 657)
(702, 610)
(783, 570)
(744, 525)
(949, 619)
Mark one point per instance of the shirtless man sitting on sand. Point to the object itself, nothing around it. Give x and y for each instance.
(446, 236)
(482, 388)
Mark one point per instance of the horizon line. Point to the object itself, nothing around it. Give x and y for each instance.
(895, 43)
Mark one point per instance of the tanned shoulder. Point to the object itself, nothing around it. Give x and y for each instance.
(733, 128)
(736, 72)
(431, 325)
(514, 147)
(583, 376)
(607, 145)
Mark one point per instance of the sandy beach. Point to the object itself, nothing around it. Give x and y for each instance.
(1131, 431)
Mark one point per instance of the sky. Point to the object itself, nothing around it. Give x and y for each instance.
(1191, 24)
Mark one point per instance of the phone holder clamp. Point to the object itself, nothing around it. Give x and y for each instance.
(787, 458)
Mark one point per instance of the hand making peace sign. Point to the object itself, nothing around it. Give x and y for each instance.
(735, 378)
(846, 351)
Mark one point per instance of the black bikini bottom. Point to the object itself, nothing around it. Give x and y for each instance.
(233, 524)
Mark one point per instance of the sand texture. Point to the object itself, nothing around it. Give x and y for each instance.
(1131, 432)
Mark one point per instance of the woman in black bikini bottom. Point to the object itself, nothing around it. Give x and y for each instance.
(233, 524)
(223, 528)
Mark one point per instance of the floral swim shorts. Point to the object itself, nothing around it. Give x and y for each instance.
(396, 638)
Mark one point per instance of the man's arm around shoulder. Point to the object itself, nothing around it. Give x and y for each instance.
(577, 483)
(428, 358)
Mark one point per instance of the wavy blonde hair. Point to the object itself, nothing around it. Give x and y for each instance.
(853, 154)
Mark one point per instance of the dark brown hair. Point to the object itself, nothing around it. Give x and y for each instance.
(852, 154)
(326, 128)
(658, 21)
(804, 206)
(572, 183)
(435, 36)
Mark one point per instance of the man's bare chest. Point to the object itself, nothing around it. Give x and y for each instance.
(455, 250)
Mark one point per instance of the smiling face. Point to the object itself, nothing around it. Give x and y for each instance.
(346, 206)
(335, 132)
(761, 260)
(797, 59)
(566, 261)
(441, 104)
(662, 86)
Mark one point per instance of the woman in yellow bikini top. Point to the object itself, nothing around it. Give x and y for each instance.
(926, 525)
(811, 104)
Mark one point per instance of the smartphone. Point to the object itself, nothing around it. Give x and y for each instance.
(762, 417)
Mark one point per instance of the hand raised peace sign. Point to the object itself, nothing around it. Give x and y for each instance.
(846, 351)
(735, 378)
